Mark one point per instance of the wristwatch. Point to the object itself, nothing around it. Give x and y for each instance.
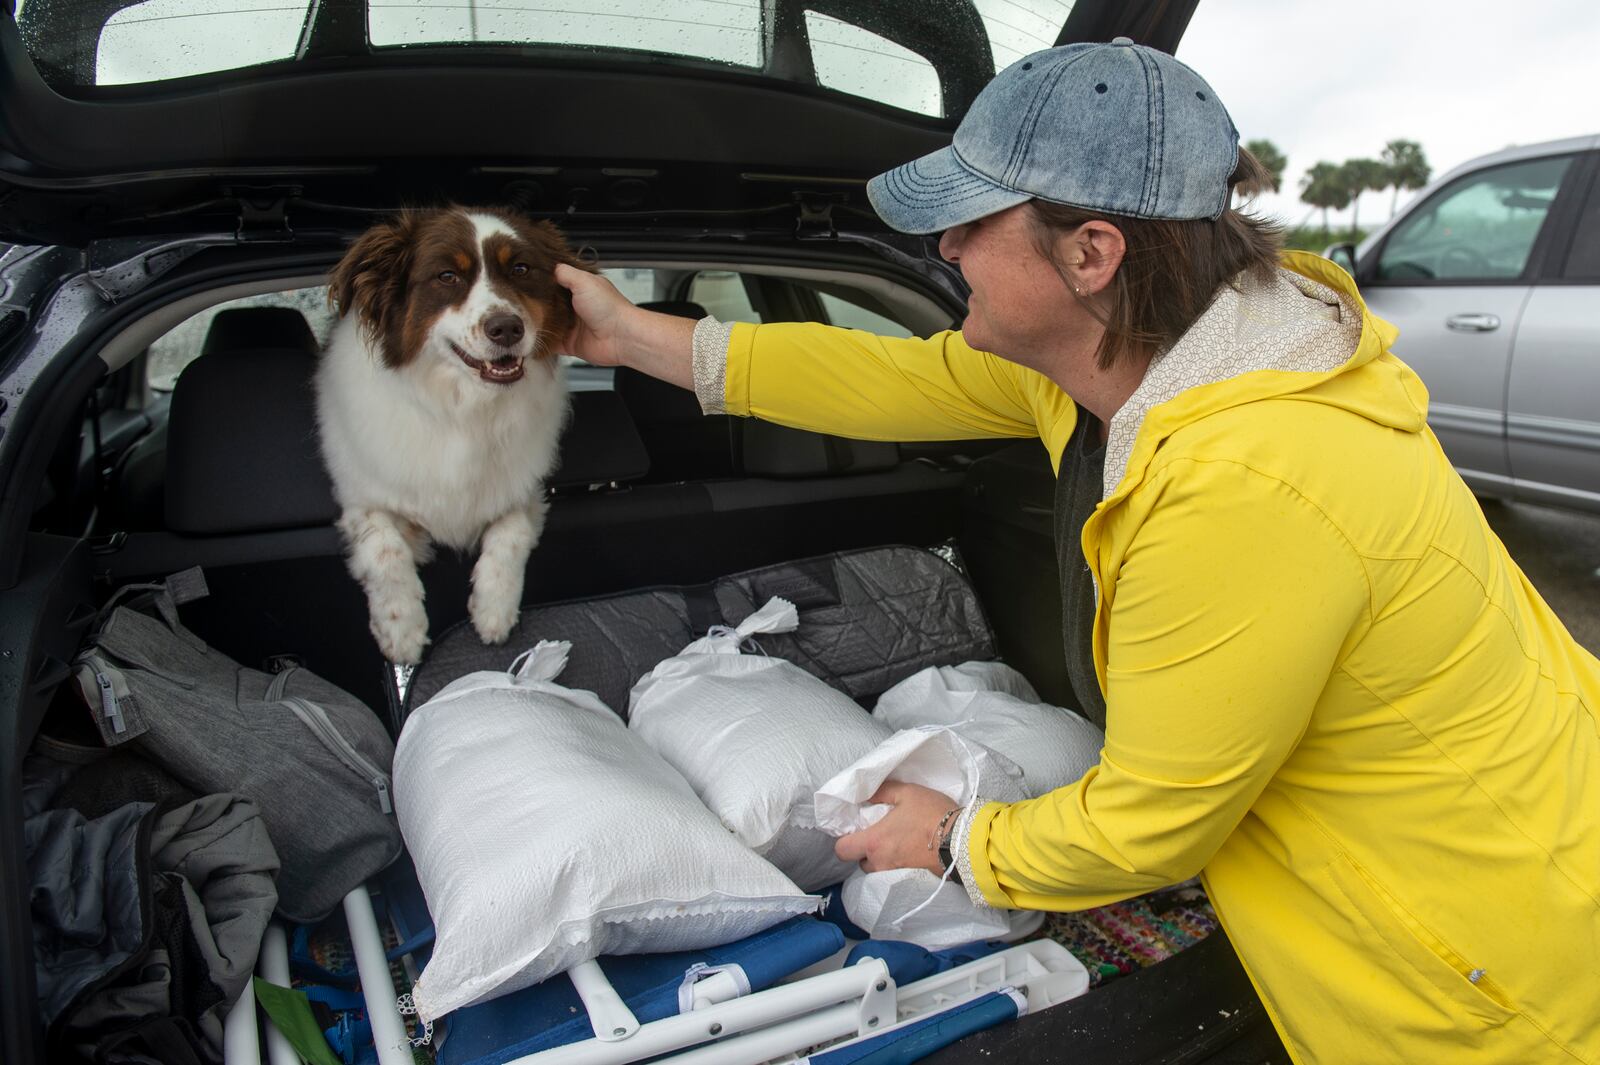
(947, 828)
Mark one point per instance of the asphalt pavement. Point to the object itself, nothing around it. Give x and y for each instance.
(1559, 550)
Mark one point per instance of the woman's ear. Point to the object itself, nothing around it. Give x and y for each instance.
(370, 280)
(1093, 252)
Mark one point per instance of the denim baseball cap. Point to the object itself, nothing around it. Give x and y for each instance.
(1116, 127)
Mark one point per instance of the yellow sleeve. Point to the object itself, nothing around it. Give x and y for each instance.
(1231, 609)
(852, 383)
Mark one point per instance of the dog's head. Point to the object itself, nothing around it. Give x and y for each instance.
(473, 288)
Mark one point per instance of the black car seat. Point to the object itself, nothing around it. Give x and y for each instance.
(686, 445)
(138, 490)
(257, 328)
(683, 443)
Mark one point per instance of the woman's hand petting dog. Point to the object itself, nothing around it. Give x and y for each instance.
(610, 331)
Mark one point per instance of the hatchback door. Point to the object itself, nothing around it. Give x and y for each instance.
(1455, 276)
(1553, 391)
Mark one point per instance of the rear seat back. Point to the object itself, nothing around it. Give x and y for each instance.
(778, 451)
(242, 446)
(138, 491)
(687, 445)
(249, 500)
(601, 446)
(683, 443)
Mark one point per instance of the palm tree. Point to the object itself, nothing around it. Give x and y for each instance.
(1324, 186)
(1361, 175)
(1408, 168)
(1271, 159)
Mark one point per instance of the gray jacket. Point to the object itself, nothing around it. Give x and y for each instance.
(147, 914)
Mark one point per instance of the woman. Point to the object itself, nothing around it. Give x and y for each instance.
(1326, 687)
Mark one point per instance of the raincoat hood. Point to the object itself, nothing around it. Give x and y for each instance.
(1305, 335)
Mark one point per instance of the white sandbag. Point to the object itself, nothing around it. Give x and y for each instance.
(755, 736)
(914, 905)
(544, 834)
(979, 677)
(894, 904)
(994, 705)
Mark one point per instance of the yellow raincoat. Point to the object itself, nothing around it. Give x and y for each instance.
(1330, 692)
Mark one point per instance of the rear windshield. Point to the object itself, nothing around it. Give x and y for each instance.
(858, 47)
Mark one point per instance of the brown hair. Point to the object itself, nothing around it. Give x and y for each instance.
(1171, 270)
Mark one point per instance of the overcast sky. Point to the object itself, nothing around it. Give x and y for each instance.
(1332, 81)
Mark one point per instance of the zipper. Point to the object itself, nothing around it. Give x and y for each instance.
(279, 682)
(108, 703)
(105, 685)
(316, 719)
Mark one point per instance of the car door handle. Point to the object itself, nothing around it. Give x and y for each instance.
(1472, 323)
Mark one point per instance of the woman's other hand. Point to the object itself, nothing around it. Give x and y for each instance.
(900, 840)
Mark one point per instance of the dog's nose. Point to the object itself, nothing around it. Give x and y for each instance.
(503, 329)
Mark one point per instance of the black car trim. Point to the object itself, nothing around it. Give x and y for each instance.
(1584, 181)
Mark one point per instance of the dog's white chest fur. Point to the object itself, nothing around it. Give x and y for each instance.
(425, 444)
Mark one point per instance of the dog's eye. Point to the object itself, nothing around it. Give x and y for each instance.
(519, 269)
(449, 277)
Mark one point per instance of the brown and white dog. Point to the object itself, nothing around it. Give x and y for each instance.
(440, 401)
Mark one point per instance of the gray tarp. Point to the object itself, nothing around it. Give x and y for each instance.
(868, 620)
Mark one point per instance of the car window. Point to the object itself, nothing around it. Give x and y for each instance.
(1479, 228)
(639, 284)
(149, 41)
(161, 39)
(182, 344)
(722, 293)
(1583, 259)
(725, 31)
(853, 60)
(854, 316)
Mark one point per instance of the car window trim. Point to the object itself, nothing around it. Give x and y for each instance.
(1581, 187)
(1366, 271)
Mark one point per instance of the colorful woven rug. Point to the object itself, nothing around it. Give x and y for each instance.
(1134, 934)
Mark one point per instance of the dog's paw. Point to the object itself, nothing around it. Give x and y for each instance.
(402, 632)
(493, 615)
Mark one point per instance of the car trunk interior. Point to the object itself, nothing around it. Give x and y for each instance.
(242, 494)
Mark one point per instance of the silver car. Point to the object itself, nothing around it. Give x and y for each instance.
(1492, 275)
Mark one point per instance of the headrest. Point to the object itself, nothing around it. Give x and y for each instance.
(601, 444)
(650, 399)
(242, 446)
(778, 451)
(255, 328)
(679, 308)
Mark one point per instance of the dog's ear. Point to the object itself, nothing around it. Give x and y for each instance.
(554, 244)
(553, 248)
(370, 281)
